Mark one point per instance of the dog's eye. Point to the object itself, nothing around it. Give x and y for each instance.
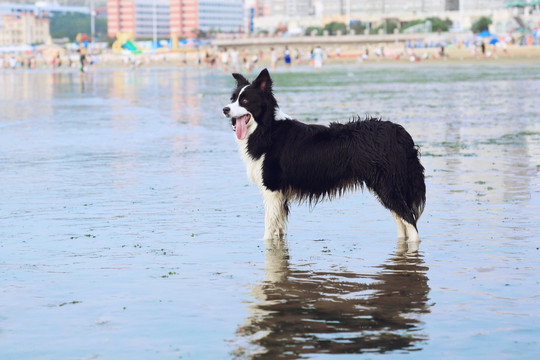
(244, 101)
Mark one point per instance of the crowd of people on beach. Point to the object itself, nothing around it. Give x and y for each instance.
(246, 59)
(55, 62)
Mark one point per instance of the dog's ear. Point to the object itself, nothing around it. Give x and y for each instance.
(263, 81)
(240, 80)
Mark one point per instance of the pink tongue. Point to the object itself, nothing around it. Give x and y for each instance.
(241, 128)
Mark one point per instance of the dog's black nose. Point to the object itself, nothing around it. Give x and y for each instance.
(226, 110)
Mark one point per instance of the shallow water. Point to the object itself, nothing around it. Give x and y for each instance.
(128, 228)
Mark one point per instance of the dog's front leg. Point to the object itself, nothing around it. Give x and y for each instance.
(275, 214)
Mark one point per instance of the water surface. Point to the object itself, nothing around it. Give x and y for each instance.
(128, 228)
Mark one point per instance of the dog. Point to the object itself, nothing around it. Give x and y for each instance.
(292, 161)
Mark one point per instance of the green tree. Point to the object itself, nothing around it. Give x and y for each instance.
(358, 27)
(440, 24)
(387, 28)
(309, 29)
(481, 24)
(334, 27)
(71, 24)
(436, 24)
(412, 23)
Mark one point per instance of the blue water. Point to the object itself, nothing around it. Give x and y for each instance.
(129, 229)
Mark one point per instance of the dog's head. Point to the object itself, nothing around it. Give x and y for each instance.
(252, 105)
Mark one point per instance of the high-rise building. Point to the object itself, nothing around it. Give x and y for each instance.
(260, 8)
(183, 18)
(141, 18)
(190, 16)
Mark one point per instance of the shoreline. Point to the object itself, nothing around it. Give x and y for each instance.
(189, 60)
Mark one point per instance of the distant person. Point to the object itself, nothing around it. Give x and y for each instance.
(296, 54)
(82, 57)
(254, 59)
(317, 58)
(273, 59)
(12, 62)
(248, 66)
(483, 47)
(224, 57)
(287, 57)
(58, 60)
(365, 56)
(234, 59)
(207, 59)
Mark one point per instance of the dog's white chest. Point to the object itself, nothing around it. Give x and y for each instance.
(253, 167)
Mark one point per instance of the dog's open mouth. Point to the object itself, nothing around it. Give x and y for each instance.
(239, 125)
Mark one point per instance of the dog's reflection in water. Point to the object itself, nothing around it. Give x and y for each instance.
(300, 311)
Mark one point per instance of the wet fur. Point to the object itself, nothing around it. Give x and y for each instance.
(301, 162)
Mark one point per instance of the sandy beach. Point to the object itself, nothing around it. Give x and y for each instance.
(209, 57)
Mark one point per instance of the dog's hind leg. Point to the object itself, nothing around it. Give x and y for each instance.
(401, 228)
(408, 239)
(412, 233)
(276, 211)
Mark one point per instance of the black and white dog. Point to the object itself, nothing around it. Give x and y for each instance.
(292, 161)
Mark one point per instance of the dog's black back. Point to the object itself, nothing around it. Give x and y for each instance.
(313, 162)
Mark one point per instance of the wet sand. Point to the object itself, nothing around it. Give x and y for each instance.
(128, 227)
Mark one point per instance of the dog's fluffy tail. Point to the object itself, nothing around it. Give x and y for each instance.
(417, 188)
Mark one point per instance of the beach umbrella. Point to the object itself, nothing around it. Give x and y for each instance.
(493, 41)
(485, 33)
(515, 4)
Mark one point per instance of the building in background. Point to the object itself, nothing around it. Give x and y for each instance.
(140, 18)
(184, 18)
(363, 7)
(297, 15)
(302, 8)
(221, 15)
(41, 8)
(260, 7)
(152, 16)
(189, 17)
(24, 28)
